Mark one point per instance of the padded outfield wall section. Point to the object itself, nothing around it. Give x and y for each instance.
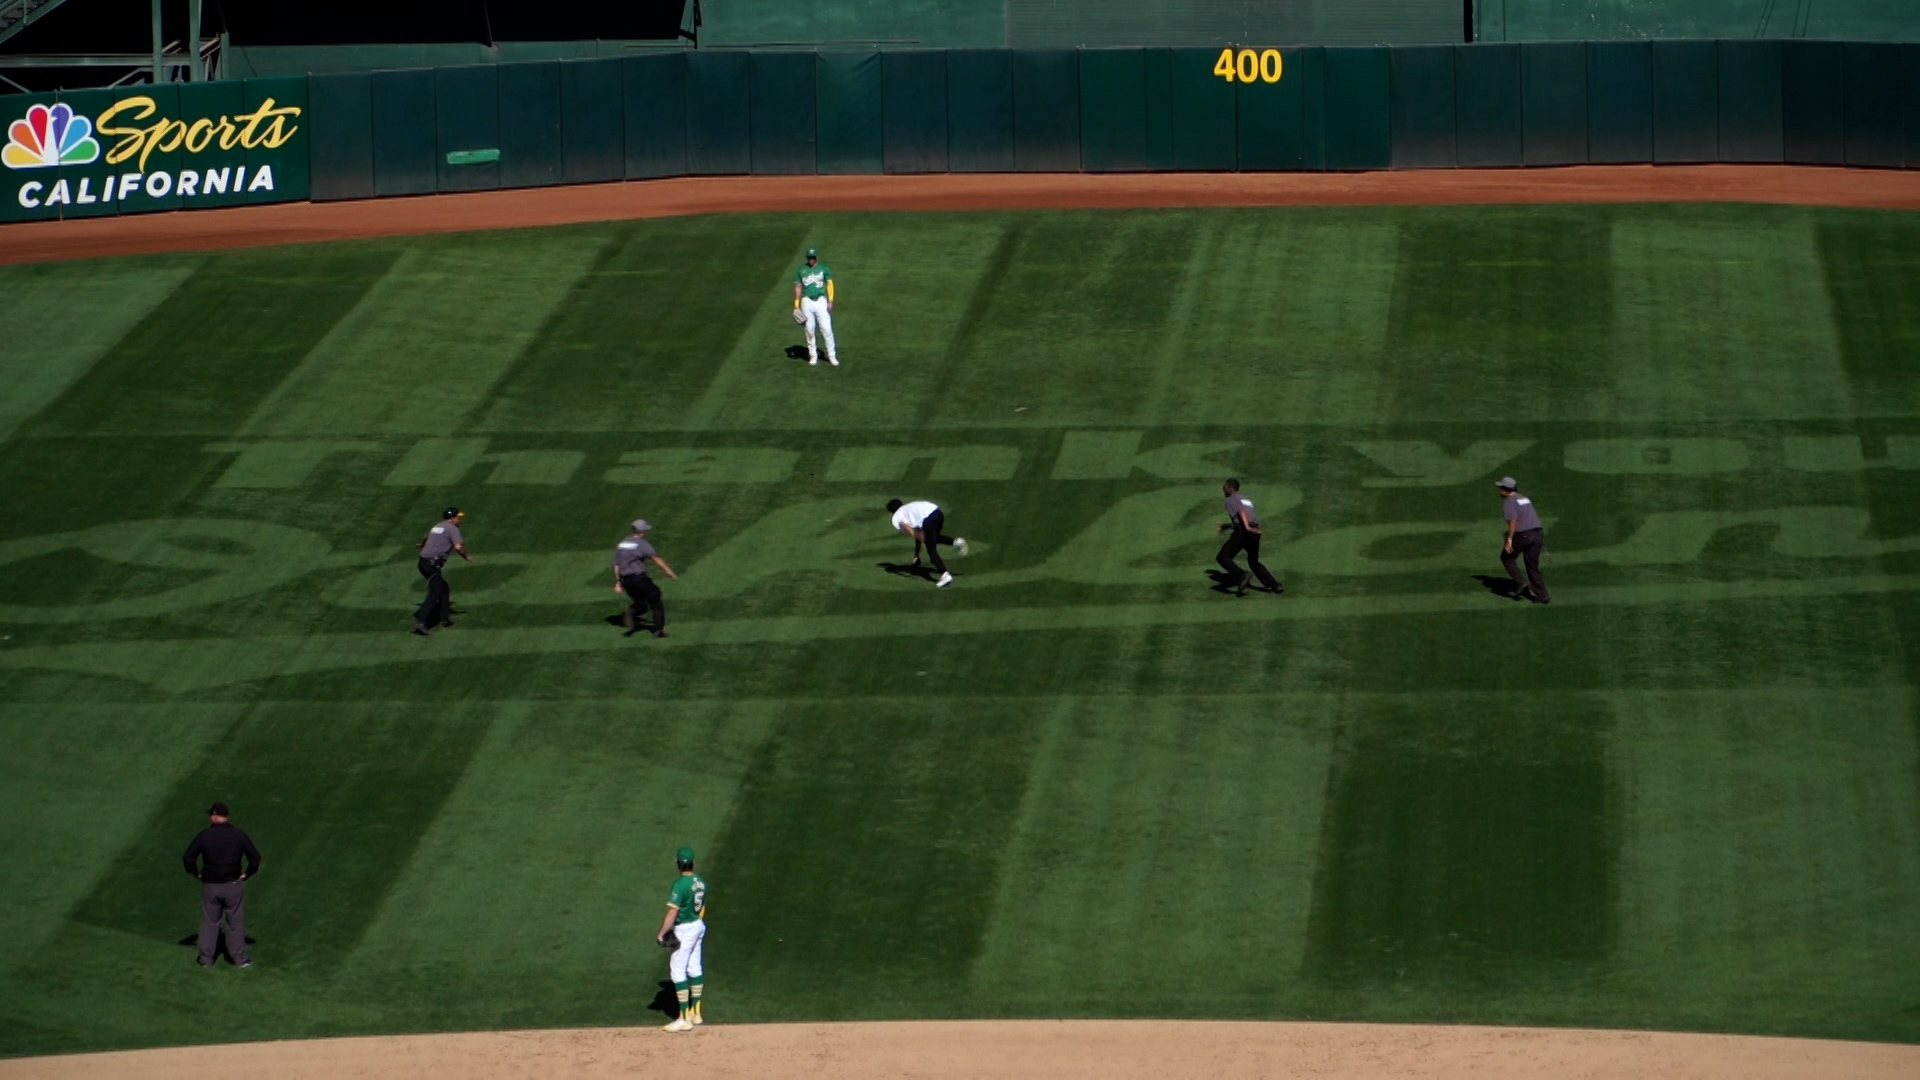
(784, 112)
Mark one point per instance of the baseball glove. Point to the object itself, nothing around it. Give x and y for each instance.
(799, 317)
(669, 943)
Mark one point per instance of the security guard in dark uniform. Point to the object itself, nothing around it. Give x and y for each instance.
(630, 559)
(442, 540)
(1526, 538)
(1246, 537)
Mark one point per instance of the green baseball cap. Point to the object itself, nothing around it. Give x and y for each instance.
(813, 253)
(685, 855)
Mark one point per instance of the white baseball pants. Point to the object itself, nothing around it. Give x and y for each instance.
(815, 309)
(685, 961)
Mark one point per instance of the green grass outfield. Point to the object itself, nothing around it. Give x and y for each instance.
(1080, 782)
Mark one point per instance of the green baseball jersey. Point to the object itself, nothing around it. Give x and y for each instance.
(813, 279)
(690, 896)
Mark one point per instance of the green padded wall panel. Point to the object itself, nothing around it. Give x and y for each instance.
(593, 136)
(1813, 109)
(1486, 95)
(1113, 110)
(1359, 123)
(656, 115)
(1749, 100)
(913, 101)
(781, 99)
(1159, 65)
(1204, 117)
(341, 136)
(530, 147)
(404, 147)
(852, 129)
(1553, 102)
(1046, 110)
(1423, 111)
(1686, 96)
(291, 160)
(980, 110)
(1873, 108)
(1619, 102)
(466, 102)
(717, 109)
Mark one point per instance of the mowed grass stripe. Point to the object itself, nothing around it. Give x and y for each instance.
(424, 348)
(84, 810)
(1287, 322)
(1191, 823)
(61, 318)
(900, 304)
(1500, 314)
(200, 362)
(1770, 851)
(565, 810)
(647, 327)
(1719, 318)
(1872, 274)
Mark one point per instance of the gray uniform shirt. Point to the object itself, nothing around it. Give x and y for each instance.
(1237, 502)
(1519, 510)
(630, 556)
(440, 540)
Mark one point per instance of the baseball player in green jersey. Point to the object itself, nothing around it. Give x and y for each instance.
(686, 920)
(813, 305)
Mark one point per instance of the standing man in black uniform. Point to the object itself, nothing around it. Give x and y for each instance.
(441, 540)
(1526, 538)
(630, 558)
(215, 858)
(1246, 537)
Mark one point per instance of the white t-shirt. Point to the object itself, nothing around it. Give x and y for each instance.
(913, 515)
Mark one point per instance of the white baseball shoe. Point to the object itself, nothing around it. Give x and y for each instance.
(960, 545)
(945, 580)
(680, 1023)
(815, 362)
(834, 360)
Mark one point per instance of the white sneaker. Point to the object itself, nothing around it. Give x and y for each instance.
(815, 362)
(960, 545)
(834, 360)
(680, 1023)
(945, 580)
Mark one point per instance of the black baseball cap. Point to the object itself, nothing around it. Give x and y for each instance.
(218, 808)
(450, 512)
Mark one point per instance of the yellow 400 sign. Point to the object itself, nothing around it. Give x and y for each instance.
(1248, 66)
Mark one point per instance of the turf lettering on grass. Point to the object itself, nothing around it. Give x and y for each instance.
(881, 463)
(1658, 457)
(1847, 453)
(700, 465)
(284, 463)
(1114, 455)
(446, 462)
(1426, 464)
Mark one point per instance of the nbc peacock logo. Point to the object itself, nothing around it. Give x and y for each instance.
(47, 137)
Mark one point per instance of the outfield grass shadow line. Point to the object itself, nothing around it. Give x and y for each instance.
(1504, 588)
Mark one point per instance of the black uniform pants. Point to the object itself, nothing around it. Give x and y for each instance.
(224, 902)
(1527, 544)
(437, 608)
(930, 535)
(1249, 542)
(644, 595)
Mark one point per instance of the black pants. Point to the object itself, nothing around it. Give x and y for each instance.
(1249, 542)
(1527, 544)
(437, 608)
(930, 535)
(643, 595)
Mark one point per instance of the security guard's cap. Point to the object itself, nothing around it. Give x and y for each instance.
(813, 253)
(684, 856)
(1507, 483)
(640, 525)
(219, 809)
(450, 512)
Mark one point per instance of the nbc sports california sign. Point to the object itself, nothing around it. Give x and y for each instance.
(169, 147)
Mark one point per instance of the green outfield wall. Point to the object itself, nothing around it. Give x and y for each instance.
(354, 135)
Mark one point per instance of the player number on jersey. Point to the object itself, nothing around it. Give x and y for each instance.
(1248, 66)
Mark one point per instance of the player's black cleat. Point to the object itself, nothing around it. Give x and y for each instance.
(1246, 582)
(421, 630)
(659, 633)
